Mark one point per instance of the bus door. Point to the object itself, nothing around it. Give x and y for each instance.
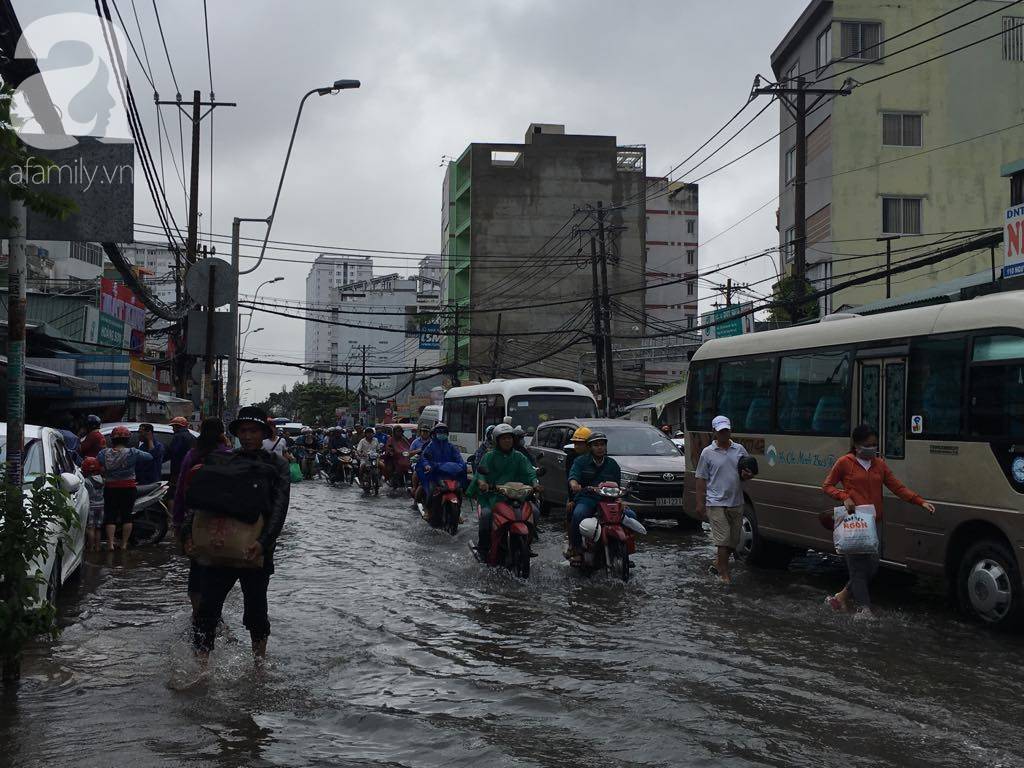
(881, 388)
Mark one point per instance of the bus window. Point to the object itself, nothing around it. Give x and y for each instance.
(529, 411)
(460, 414)
(936, 386)
(493, 407)
(814, 393)
(997, 387)
(700, 401)
(895, 410)
(744, 394)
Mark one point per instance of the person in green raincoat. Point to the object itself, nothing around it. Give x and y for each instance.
(502, 464)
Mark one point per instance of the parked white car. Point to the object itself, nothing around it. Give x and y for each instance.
(163, 433)
(45, 453)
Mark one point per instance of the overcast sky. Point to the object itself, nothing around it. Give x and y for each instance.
(437, 75)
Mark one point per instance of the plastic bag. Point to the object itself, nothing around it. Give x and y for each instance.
(857, 533)
(296, 471)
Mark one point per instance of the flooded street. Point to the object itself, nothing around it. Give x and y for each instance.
(391, 646)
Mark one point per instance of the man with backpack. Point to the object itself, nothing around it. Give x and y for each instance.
(245, 492)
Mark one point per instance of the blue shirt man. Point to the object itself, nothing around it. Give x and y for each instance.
(152, 471)
(589, 471)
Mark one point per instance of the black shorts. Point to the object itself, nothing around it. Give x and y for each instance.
(118, 504)
(195, 576)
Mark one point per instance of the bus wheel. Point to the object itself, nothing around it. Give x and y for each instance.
(757, 551)
(989, 585)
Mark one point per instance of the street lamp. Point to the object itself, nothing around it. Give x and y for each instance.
(244, 342)
(256, 296)
(335, 87)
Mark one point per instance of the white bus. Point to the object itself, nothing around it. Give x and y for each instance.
(468, 411)
(944, 387)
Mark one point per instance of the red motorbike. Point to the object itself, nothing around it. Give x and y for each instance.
(444, 507)
(609, 537)
(513, 527)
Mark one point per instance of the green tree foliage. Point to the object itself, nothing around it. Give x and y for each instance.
(785, 292)
(312, 403)
(23, 547)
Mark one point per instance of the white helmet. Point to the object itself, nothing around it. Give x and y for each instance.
(590, 528)
(502, 429)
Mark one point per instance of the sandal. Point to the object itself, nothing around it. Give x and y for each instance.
(836, 604)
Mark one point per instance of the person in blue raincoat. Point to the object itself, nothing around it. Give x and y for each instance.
(439, 451)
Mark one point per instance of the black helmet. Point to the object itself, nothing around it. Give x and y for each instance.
(93, 421)
(597, 437)
(439, 427)
(519, 432)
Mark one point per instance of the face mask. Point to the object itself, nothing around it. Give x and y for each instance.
(441, 437)
(866, 453)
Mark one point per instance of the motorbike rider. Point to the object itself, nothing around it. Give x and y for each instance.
(422, 438)
(520, 437)
(305, 451)
(337, 439)
(589, 471)
(438, 451)
(394, 460)
(503, 464)
(485, 445)
(216, 582)
(94, 441)
(579, 448)
(366, 446)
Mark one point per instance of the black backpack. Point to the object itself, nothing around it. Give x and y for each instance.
(233, 485)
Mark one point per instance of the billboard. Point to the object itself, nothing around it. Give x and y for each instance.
(728, 321)
(430, 336)
(120, 302)
(1013, 241)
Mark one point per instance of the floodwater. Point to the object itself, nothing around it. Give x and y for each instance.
(391, 646)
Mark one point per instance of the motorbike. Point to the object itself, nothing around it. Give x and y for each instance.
(369, 475)
(609, 538)
(444, 507)
(401, 474)
(149, 515)
(346, 466)
(513, 527)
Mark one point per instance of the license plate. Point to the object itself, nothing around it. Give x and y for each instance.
(671, 502)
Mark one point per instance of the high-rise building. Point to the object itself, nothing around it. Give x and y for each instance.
(508, 237)
(914, 154)
(326, 275)
(71, 261)
(672, 256)
(156, 265)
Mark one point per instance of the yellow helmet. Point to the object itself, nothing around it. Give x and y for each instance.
(581, 435)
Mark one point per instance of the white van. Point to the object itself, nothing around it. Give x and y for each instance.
(430, 416)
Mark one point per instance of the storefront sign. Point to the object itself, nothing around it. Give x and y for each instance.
(1013, 242)
(119, 300)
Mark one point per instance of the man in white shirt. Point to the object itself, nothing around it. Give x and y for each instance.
(276, 442)
(720, 493)
(366, 446)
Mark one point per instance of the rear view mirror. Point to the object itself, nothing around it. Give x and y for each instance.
(541, 471)
(531, 431)
(69, 483)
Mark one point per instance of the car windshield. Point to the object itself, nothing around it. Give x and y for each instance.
(33, 461)
(529, 411)
(638, 441)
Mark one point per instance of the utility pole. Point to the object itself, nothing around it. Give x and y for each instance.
(346, 378)
(497, 343)
(598, 341)
(888, 262)
(455, 363)
(412, 384)
(794, 99)
(728, 292)
(606, 305)
(17, 307)
(192, 240)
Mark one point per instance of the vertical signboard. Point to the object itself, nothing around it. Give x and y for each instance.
(120, 302)
(1013, 242)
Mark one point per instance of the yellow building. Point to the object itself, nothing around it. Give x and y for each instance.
(917, 153)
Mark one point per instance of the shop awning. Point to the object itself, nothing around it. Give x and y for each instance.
(39, 374)
(659, 401)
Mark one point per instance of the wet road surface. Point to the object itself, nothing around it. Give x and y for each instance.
(391, 646)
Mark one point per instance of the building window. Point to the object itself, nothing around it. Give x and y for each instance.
(690, 257)
(861, 40)
(824, 49)
(1013, 38)
(901, 215)
(901, 130)
(787, 244)
(791, 165)
(690, 321)
(689, 288)
(690, 226)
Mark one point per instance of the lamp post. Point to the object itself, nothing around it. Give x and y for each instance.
(255, 297)
(244, 342)
(335, 87)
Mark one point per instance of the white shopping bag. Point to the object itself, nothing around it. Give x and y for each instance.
(855, 534)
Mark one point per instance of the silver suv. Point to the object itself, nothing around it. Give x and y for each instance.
(652, 466)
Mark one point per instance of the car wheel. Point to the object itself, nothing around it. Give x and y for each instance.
(757, 551)
(989, 585)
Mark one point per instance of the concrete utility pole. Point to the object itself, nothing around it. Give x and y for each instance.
(455, 361)
(191, 242)
(17, 306)
(798, 108)
(888, 262)
(497, 349)
(607, 307)
(598, 341)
